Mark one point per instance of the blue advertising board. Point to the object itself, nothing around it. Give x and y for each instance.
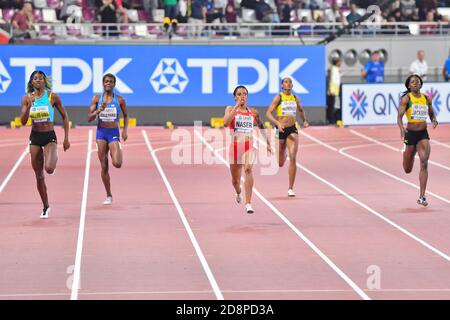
(166, 75)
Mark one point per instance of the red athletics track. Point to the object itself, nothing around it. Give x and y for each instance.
(139, 247)
(37, 254)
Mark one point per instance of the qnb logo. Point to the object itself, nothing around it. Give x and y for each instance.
(169, 77)
(358, 104)
(435, 97)
(5, 78)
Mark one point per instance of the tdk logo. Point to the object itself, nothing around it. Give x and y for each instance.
(169, 77)
(269, 74)
(91, 73)
(5, 78)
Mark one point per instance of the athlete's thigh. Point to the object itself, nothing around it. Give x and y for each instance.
(424, 149)
(37, 158)
(102, 149)
(292, 144)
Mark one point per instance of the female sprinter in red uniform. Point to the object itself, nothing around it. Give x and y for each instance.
(286, 105)
(241, 121)
(418, 108)
(107, 108)
(40, 105)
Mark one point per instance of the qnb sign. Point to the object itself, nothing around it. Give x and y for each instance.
(267, 74)
(91, 74)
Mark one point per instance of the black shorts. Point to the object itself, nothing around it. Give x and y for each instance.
(413, 137)
(42, 138)
(286, 132)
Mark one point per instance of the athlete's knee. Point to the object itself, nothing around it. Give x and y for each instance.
(117, 163)
(49, 169)
(248, 170)
(423, 164)
(407, 169)
(235, 181)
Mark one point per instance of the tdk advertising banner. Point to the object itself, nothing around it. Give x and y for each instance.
(166, 75)
(379, 103)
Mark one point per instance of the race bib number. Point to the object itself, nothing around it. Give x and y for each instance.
(243, 124)
(288, 108)
(419, 112)
(108, 115)
(39, 114)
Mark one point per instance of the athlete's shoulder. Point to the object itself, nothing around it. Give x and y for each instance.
(120, 99)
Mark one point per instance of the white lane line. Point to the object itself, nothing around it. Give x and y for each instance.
(189, 231)
(330, 263)
(77, 268)
(14, 168)
(362, 135)
(440, 143)
(398, 227)
(341, 151)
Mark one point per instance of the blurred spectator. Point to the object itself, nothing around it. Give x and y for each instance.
(320, 29)
(419, 66)
(107, 10)
(446, 71)
(304, 29)
(122, 11)
(389, 28)
(22, 22)
(230, 12)
(430, 27)
(263, 11)
(334, 13)
(445, 24)
(198, 11)
(353, 15)
(210, 11)
(426, 6)
(182, 16)
(249, 4)
(170, 9)
(374, 70)
(334, 76)
(71, 10)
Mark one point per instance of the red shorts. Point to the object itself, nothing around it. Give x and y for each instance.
(238, 149)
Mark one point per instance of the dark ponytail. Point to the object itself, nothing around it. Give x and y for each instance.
(237, 88)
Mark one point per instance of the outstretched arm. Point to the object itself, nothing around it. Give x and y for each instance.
(230, 112)
(431, 113)
(401, 113)
(123, 106)
(270, 117)
(93, 111)
(27, 101)
(302, 113)
(56, 102)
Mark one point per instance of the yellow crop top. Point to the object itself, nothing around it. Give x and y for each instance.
(287, 106)
(417, 108)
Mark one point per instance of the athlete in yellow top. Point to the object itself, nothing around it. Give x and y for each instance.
(418, 108)
(286, 105)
